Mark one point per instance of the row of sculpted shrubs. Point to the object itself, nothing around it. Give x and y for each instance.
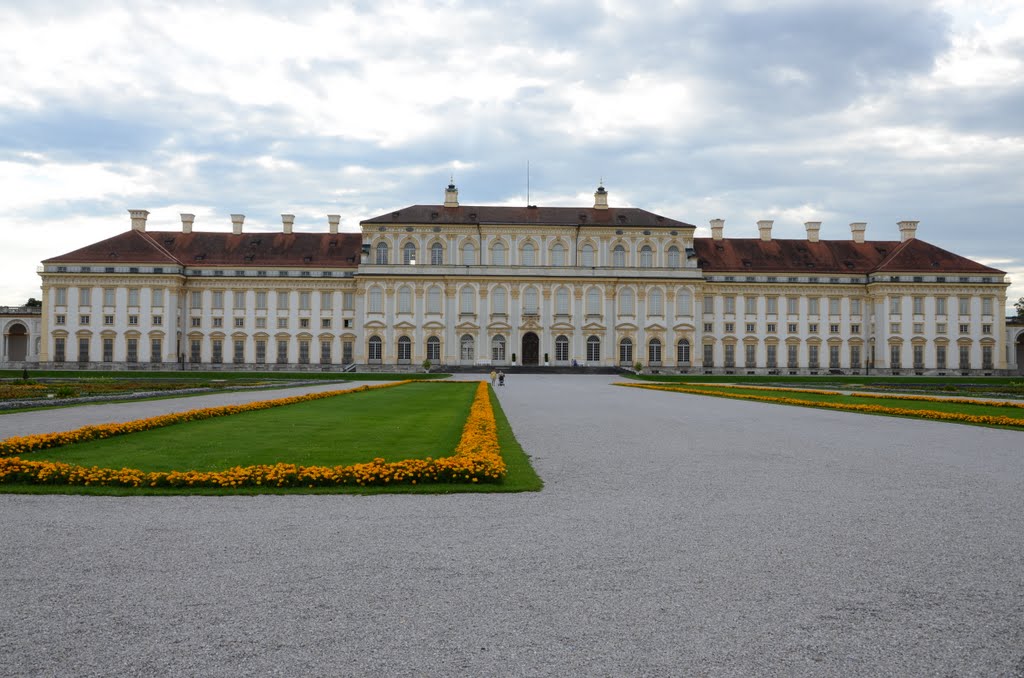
(18, 445)
(886, 396)
(991, 420)
(477, 458)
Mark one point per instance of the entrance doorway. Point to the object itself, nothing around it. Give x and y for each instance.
(531, 349)
(17, 342)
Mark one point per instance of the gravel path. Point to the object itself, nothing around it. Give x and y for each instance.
(676, 535)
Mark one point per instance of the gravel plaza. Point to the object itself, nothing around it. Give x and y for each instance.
(676, 535)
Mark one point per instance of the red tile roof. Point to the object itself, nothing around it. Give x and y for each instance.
(527, 216)
(307, 250)
(845, 257)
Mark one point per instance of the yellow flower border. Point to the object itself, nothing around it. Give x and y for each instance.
(990, 420)
(858, 394)
(477, 458)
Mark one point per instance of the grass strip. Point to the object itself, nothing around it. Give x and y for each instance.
(826, 400)
(882, 396)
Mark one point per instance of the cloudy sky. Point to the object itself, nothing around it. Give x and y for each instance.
(791, 110)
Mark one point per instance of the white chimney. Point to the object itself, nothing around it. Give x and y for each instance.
(186, 222)
(334, 220)
(813, 228)
(288, 220)
(138, 219)
(908, 230)
(600, 198)
(451, 196)
(717, 226)
(765, 229)
(236, 223)
(857, 229)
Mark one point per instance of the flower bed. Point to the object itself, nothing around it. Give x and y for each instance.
(477, 458)
(885, 396)
(990, 420)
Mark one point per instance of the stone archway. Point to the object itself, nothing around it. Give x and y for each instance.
(17, 342)
(531, 349)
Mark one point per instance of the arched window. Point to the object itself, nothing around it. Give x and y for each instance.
(436, 254)
(654, 351)
(498, 348)
(562, 301)
(434, 349)
(434, 299)
(404, 350)
(626, 298)
(376, 299)
(467, 299)
(646, 256)
(684, 303)
(557, 255)
(409, 253)
(655, 302)
(404, 299)
(499, 300)
(594, 301)
(673, 256)
(468, 254)
(561, 348)
(626, 351)
(466, 347)
(382, 253)
(530, 300)
(619, 256)
(529, 255)
(374, 349)
(587, 255)
(593, 349)
(498, 254)
(683, 352)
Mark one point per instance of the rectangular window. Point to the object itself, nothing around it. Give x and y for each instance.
(305, 303)
(855, 356)
(833, 328)
(133, 296)
(773, 355)
(750, 355)
(812, 356)
(108, 350)
(195, 351)
(218, 351)
(730, 355)
(812, 328)
(218, 322)
(751, 328)
(792, 306)
(261, 301)
(965, 357)
(965, 306)
(986, 357)
(282, 351)
(158, 320)
(918, 305)
(84, 297)
(918, 357)
(261, 323)
(326, 301)
(894, 356)
(261, 351)
(238, 352)
(83, 349)
(730, 328)
(940, 328)
(325, 323)
(304, 352)
(940, 306)
(282, 300)
(894, 328)
(133, 320)
(239, 300)
(108, 320)
(771, 328)
(709, 304)
(792, 328)
(60, 296)
(709, 355)
(109, 296)
(812, 306)
(59, 319)
(196, 300)
(156, 350)
(750, 305)
(132, 350)
(986, 328)
(347, 323)
(239, 323)
(986, 305)
(304, 323)
(833, 357)
(348, 301)
(940, 357)
(965, 328)
(709, 328)
(84, 319)
(895, 305)
(772, 305)
(282, 323)
(325, 352)
(791, 355)
(854, 306)
(346, 353)
(918, 328)
(855, 328)
(158, 298)
(730, 305)
(197, 321)
(833, 306)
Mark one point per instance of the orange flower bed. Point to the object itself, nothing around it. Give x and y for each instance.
(922, 398)
(477, 458)
(991, 420)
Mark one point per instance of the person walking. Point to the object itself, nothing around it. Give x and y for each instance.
(494, 375)
(501, 378)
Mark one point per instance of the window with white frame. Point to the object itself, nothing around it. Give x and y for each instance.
(499, 300)
(619, 256)
(530, 301)
(133, 296)
(749, 355)
(792, 306)
(594, 301)
(404, 350)
(305, 302)
(587, 255)
(326, 301)
(593, 349)
(813, 307)
(348, 301)
(855, 306)
(261, 300)
(466, 351)
(529, 255)
(940, 306)
(683, 351)
(404, 299)
(374, 348)
(709, 304)
(434, 299)
(382, 254)
(436, 254)
(730, 304)
(986, 305)
(561, 348)
(109, 296)
(626, 351)
(467, 299)
(646, 256)
(684, 303)
(498, 254)
(60, 296)
(498, 348)
(772, 305)
(656, 302)
(673, 257)
(283, 299)
(468, 254)
(376, 302)
(433, 349)
(409, 253)
(654, 351)
(562, 301)
(557, 254)
(895, 351)
(750, 305)
(626, 299)
(895, 305)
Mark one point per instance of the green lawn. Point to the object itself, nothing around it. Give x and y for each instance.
(936, 406)
(424, 419)
(820, 380)
(213, 375)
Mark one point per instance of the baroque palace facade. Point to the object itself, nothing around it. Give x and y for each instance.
(487, 285)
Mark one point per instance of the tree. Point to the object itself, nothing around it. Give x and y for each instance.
(1019, 305)
(35, 303)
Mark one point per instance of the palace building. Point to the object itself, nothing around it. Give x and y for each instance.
(487, 285)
